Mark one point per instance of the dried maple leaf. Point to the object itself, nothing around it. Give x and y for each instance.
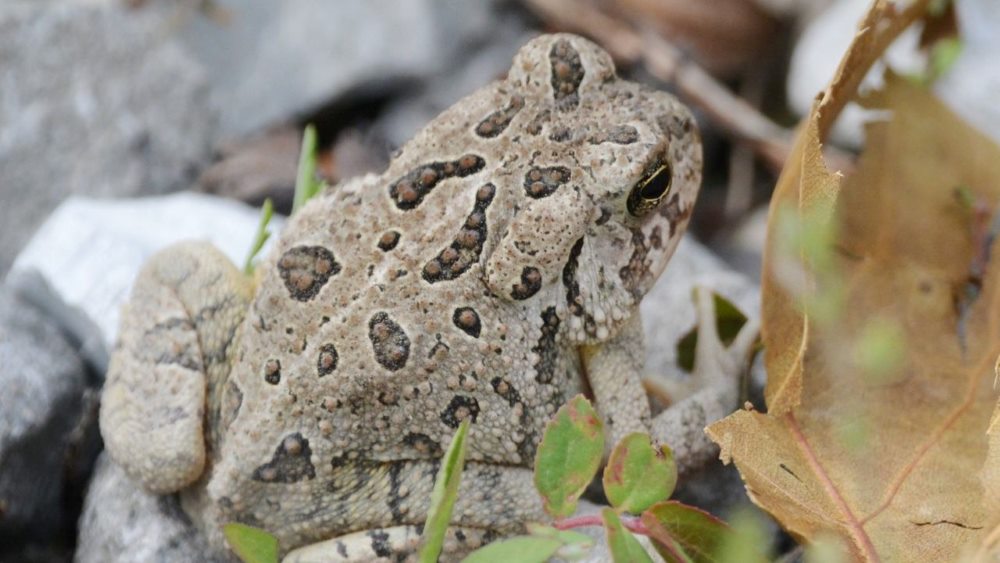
(881, 427)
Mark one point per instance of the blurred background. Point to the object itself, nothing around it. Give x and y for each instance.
(128, 98)
(121, 98)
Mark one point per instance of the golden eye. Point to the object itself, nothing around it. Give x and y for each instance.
(648, 193)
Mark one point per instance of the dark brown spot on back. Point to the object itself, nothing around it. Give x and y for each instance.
(305, 269)
(327, 361)
(567, 74)
(466, 319)
(289, 464)
(543, 182)
(388, 240)
(505, 390)
(496, 122)
(389, 341)
(531, 282)
(464, 251)
(408, 191)
(460, 408)
(272, 371)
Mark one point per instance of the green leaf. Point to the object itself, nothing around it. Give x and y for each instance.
(524, 549)
(747, 539)
(624, 547)
(567, 537)
(683, 533)
(543, 543)
(306, 183)
(252, 545)
(569, 456)
(728, 321)
(261, 236)
(637, 475)
(943, 55)
(827, 549)
(443, 496)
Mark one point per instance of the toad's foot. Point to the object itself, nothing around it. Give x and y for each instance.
(710, 394)
(172, 353)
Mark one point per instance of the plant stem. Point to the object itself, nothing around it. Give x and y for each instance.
(631, 523)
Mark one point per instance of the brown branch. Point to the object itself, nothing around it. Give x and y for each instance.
(769, 141)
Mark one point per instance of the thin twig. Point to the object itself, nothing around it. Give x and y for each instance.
(770, 141)
(631, 523)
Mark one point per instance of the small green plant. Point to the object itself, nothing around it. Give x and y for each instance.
(307, 185)
(261, 236)
(638, 480)
(443, 496)
(252, 545)
(728, 322)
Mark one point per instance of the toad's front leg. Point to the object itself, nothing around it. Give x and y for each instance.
(172, 354)
(614, 371)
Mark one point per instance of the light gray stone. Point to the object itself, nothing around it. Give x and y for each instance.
(403, 118)
(42, 404)
(668, 311)
(969, 87)
(94, 99)
(713, 391)
(121, 523)
(87, 255)
(271, 61)
(89, 251)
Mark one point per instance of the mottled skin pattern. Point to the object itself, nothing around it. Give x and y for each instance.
(491, 272)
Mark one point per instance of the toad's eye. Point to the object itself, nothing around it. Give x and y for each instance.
(648, 193)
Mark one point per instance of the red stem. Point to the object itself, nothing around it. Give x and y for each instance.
(631, 523)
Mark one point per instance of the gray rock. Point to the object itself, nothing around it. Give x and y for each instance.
(970, 86)
(89, 251)
(43, 417)
(404, 117)
(668, 314)
(272, 61)
(121, 523)
(668, 311)
(94, 99)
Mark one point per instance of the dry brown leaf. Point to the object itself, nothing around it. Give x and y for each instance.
(806, 181)
(902, 462)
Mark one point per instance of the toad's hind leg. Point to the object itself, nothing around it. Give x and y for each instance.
(172, 352)
(492, 501)
(398, 543)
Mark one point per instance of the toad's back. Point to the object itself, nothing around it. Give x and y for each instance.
(374, 333)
